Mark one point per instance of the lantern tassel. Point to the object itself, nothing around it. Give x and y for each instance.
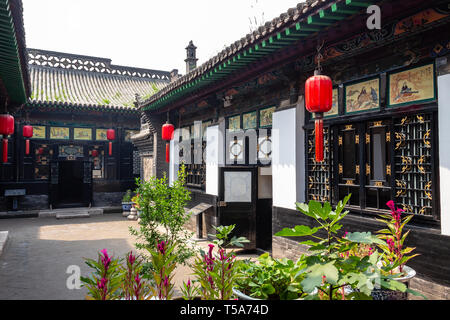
(5, 150)
(27, 147)
(319, 138)
(167, 152)
(110, 148)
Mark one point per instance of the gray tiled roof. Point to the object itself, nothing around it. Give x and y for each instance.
(68, 79)
(269, 28)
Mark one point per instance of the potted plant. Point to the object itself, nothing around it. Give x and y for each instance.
(126, 203)
(334, 275)
(269, 279)
(395, 253)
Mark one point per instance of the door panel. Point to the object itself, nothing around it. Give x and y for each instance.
(237, 201)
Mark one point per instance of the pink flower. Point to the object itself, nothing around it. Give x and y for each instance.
(162, 247)
(188, 283)
(106, 259)
(131, 258)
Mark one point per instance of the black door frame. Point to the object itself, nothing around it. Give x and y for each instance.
(232, 212)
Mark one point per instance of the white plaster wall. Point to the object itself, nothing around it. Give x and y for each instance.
(444, 148)
(212, 160)
(174, 155)
(284, 158)
(300, 149)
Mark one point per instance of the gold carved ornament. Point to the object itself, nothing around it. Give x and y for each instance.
(426, 138)
(428, 190)
(401, 184)
(408, 164)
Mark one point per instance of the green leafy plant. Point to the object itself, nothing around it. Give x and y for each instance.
(106, 280)
(216, 274)
(127, 196)
(395, 253)
(190, 290)
(222, 237)
(163, 261)
(327, 268)
(133, 286)
(271, 279)
(163, 215)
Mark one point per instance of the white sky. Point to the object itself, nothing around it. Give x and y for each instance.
(144, 33)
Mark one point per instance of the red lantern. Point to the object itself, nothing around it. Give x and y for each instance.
(94, 153)
(110, 135)
(6, 129)
(318, 100)
(167, 134)
(167, 131)
(27, 133)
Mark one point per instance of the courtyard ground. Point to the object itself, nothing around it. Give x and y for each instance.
(38, 252)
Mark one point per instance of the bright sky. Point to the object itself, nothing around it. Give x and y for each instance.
(144, 33)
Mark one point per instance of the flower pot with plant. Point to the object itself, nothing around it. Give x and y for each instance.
(126, 203)
(334, 275)
(395, 253)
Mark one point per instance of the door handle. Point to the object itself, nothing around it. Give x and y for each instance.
(222, 204)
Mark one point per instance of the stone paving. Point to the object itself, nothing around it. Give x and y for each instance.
(38, 252)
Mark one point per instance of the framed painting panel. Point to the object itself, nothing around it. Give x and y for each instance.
(234, 123)
(412, 86)
(249, 120)
(265, 117)
(362, 96)
(59, 133)
(39, 132)
(100, 134)
(82, 134)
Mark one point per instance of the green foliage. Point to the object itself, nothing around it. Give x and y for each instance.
(127, 196)
(163, 215)
(275, 279)
(329, 268)
(164, 263)
(105, 281)
(222, 235)
(216, 274)
(395, 254)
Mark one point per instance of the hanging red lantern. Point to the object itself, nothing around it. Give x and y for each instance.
(94, 153)
(6, 129)
(167, 131)
(167, 135)
(110, 135)
(318, 100)
(27, 133)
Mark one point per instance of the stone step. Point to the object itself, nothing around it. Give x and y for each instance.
(72, 215)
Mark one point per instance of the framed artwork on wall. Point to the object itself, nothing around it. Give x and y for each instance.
(362, 96)
(412, 86)
(39, 132)
(100, 134)
(82, 134)
(234, 123)
(265, 117)
(59, 133)
(249, 120)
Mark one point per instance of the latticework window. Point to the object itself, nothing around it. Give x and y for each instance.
(319, 173)
(413, 164)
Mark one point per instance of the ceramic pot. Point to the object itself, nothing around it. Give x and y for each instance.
(385, 294)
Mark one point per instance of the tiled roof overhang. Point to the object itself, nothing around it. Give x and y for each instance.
(80, 82)
(13, 58)
(297, 24)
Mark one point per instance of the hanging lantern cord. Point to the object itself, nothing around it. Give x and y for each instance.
(319, 57)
